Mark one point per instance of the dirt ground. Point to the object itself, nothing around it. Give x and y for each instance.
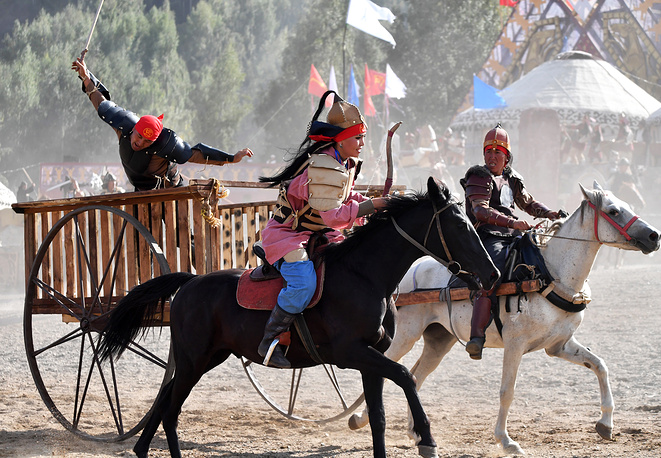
(553, 415)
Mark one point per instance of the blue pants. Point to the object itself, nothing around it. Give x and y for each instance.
(301, 283)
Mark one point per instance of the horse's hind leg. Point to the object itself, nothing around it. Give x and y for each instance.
(576, 353)
(141, 447)
(373, 389)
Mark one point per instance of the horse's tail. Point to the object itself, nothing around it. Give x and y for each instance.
(136, 311)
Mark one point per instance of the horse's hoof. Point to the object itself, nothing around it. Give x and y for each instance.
(427, 451)
(606, 432)
(353, 422)
(513, 449)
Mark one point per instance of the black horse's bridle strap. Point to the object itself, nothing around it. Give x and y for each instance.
(453, 266)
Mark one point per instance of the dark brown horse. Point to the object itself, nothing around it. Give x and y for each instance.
(352, 325)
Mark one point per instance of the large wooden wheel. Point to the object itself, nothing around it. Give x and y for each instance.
(298, 393)
(102, 252)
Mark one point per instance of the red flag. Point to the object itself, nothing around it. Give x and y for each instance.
(368, 106)
(508, 2)
(316, 86)
(375, 82)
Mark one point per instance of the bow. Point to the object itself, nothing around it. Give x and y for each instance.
(388, 183)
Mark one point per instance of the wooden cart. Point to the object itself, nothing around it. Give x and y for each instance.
(83, 254)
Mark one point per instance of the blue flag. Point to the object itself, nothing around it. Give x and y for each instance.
(485, 96)
(354, 91)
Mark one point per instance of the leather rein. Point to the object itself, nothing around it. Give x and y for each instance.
(597, 213)
(453, 266)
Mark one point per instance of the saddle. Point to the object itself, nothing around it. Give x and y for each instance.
(259, 287)
(525, 271)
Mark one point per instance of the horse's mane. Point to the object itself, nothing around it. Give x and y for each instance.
(395, 205)
(557, 225)
(598, 202)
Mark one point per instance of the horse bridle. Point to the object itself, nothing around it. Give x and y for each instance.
(621, 229)
(453, 266)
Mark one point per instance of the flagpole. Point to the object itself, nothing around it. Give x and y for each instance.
(344, 47)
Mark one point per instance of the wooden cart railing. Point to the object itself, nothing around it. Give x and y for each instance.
(174, 218)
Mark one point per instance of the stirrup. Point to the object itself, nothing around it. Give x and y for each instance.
(270, 351)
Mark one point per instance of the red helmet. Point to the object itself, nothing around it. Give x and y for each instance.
(497, 138)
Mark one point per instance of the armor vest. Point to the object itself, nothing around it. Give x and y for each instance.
(329, 185)
(502, 193)
(138, 165)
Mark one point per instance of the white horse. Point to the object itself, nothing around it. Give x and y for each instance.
(533, 323)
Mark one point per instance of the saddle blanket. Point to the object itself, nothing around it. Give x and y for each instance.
(263, 295)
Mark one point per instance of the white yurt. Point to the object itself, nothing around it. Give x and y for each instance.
(548, 100)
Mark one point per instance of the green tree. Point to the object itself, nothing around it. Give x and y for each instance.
(323, 39)
(439, 47)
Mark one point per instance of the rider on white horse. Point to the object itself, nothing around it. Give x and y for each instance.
(491, 192)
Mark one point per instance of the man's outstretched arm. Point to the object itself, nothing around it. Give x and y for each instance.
(91, 89)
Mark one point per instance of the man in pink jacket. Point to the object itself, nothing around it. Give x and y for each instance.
(316, 195)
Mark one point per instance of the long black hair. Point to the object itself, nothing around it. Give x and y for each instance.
(307, 148)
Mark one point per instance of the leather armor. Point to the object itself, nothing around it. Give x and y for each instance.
(329, 186)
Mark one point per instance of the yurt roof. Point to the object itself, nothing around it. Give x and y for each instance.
(574, 83)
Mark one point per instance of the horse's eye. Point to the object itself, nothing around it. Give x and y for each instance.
(613, 212)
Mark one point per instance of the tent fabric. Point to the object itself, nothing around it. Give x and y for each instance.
(7, 197)
(572, 84)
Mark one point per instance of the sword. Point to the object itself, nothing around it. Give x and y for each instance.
(89, 37)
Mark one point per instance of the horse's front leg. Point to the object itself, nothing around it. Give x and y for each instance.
(511, 361)
(576, 353)
(370, 361)
(411, 323)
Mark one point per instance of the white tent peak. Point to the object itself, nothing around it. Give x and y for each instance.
(572, 84)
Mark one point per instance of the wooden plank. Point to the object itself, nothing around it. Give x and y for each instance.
(145, 271)
(30, 244)
(46, 263)
(94, 252)
(58, 261)
(215, 238)
(184, 240)
(106, 246)
(121, 257)
(200, 237)
(239, 244)
(460, 294)
(69, 259)
(170, 236)
(131, 253)
(82, 241)
(251, 259)
(157, 231)
(226, 216)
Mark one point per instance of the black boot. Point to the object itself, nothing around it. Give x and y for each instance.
(479, 323)
(278, 322)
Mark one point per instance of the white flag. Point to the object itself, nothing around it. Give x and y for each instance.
(332, 82)
(365, 15)
(395, 88)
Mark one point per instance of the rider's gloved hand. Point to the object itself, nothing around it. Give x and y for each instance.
(555, 215)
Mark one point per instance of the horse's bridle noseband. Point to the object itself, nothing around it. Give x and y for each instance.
(453, 266)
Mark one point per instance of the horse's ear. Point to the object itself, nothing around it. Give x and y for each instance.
(435, 188)
(597, 186)
(589, 195)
